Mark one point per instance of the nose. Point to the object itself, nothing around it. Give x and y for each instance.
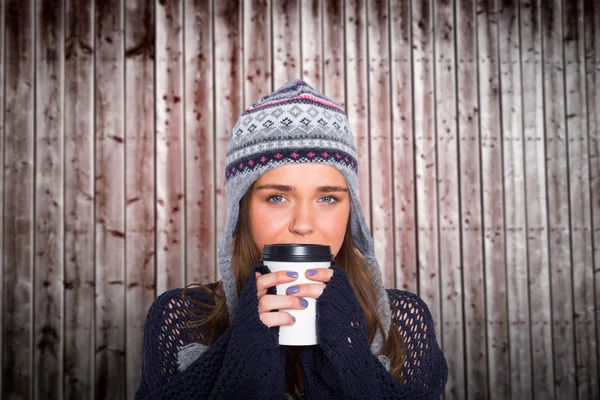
(303, 222)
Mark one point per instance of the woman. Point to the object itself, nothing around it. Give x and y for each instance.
(292, 177)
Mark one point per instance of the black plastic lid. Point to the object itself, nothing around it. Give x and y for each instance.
(297, 253)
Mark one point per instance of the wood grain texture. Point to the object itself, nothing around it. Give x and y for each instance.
(451, 293)
(380, 128)
(19, 142)
(228, 93)
(537, 210)
(49, 203)
(476, 374)
(578, 179)
(403, 154)
(334, 76)
(425, 162)
(79, 175)
(312, 43)
(514, 200)
(561, 268)
(140, 213)
(591, 23)
(257, 50)
(492, 200)
(199, 130)
(110, 206)
(2, 134)
(170, 147)
(357, 96)
(286, 41)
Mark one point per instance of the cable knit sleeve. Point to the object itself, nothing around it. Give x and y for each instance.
(343, 366)
(228, 369)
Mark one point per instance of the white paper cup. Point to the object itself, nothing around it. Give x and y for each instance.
(304, 331)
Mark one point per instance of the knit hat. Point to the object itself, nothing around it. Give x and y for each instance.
(294, 124)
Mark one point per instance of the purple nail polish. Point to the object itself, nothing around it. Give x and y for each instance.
(292, 274)
(293, 319)
(292, 290)
(304, 303)
(311, 272)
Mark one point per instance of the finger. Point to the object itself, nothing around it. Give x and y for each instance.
(313, 290)
(279, 318)
(319, 274)
(275, 278)
(272, 302)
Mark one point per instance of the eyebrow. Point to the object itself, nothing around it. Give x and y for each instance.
(287, 188)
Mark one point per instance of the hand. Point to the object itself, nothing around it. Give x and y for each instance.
(312, 289)
(269, 302)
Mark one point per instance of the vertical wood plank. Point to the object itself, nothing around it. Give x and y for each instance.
(286, 41)
(580, 208)
(451, 334)
(425, 163)
(591, 23)
(356, 95)
(403, 155)
(140, 245)
(558, 201)
(170, 143)
(476, 375)
(49, 234)
(110, 208)
(19, 184)
(79, 201)
(228, 92)
(199, 123)
(2, 167)
(334, 75)
(380, 138)
(537, 213)
(514, 201)
(312, 43)
(257, 50)
(492, 196)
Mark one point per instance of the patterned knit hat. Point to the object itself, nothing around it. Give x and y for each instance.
(294, 124)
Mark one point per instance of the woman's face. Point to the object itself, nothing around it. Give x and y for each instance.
(300, 203)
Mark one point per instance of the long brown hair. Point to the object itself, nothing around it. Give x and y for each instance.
(245, 254)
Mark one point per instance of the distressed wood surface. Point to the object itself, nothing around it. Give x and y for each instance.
(558, 201)
(170, 147)
(380, 141)
(451, 294)
(109, 201)
(403, 154)
(514, 200)
(425, 160)
(79, 276)
(476, 124)
(199, 129)
(49, 203)
(357, 95)
(492, 200)
(586, 350)
(286, 41)
(476, 374)
(312, 42)
(18, 169)
(537, 210)
(140, 186)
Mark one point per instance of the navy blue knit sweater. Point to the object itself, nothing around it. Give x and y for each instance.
(247, 362)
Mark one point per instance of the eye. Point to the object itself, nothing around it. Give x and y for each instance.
(328, 199)
(277, 198)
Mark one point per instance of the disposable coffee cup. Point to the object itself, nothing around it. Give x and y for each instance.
(298, 258)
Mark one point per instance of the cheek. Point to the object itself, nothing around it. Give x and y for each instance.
(334, 229)
(265, 228)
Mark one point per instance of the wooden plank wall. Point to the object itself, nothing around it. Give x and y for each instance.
(478, 129)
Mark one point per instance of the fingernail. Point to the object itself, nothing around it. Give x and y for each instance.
(292, 290)
(311, 272)
(292, 274)
(293, 319)
(304, 303)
